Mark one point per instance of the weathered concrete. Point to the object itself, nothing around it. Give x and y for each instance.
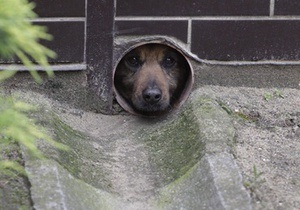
(182, 161)
(53, 187)
(14, 187)
(258, 76)
(214, 182)
(116, 159)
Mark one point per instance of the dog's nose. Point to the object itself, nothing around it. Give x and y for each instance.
(152, 95)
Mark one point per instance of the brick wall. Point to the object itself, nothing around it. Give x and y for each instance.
(66, 22)
(227, 30)
(222, 30)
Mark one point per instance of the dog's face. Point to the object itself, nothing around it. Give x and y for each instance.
(151, 77)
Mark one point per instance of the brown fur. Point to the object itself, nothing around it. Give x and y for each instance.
(151, 78)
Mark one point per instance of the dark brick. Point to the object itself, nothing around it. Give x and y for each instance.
(60, 8)
(246, 40)
(68, 41)
(176, 29)
(192, 8)
(287, 7)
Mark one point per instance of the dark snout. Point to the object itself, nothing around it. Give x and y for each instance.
(152, 95)
(152, 98)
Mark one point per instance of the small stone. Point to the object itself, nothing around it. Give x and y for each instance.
(297, 132)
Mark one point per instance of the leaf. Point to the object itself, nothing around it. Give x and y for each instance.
(278, 93)
(6, 74)
(12, 167)
(268, 96)
(19, 37)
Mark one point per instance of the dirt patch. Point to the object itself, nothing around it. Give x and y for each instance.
(267, 122)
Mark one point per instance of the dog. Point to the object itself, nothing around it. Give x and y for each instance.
(151, 78)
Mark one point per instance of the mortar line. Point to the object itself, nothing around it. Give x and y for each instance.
(149, 18)
(60, 19)
(85, 31)
(115, 8)
(220, 18)
(272, 7)
(58, 67)
(243, 63)
(189, 34)
(114, 21)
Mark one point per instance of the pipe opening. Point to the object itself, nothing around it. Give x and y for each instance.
(152, 79)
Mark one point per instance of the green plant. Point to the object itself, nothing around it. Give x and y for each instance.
(20, 38)
(276, 93)
(225, 107)
(15, 125)
(268, 96)
(254, 181)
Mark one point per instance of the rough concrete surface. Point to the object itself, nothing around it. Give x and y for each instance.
(267, 123)
(260, 151)
(182, 161)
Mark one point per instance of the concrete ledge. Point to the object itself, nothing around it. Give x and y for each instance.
(183, 161)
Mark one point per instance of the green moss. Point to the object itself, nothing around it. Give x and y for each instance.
(166, 195)
(14, 189)
(66, 135)
(78, 160)
(175, 148)
(244, 116)
(225, 107)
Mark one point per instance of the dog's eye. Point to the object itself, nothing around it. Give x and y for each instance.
(133, 61)
(168, 62)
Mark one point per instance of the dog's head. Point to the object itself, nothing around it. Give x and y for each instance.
(151, 77)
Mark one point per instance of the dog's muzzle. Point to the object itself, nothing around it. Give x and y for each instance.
(152, 95)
